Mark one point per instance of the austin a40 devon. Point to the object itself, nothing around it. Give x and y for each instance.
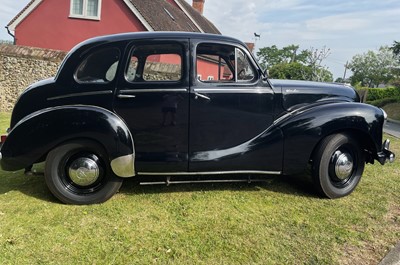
(180, 105)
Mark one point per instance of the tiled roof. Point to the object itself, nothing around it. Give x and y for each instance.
(203, 22)
(162, 16)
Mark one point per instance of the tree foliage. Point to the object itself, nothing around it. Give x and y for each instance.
(396, 49)
(290, 63)
(373, 68)
(271, 56)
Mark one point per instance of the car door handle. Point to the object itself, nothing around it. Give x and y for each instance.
(198, 95)
(126, 96)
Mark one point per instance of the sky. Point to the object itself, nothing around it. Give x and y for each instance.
(346, 27)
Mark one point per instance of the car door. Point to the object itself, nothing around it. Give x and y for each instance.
(231, 111)
(152, 97)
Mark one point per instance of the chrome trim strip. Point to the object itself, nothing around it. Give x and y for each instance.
(210, 173)
(124, 166)
(234, 90)
(126, 96)
(154, 90)
(82, 94)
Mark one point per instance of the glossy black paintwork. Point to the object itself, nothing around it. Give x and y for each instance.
(268, 125)
(31, 139)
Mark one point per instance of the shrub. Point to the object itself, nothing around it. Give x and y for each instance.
(382, 102)
(380, 93)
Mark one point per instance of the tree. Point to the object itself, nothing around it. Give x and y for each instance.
(290, 63)
(295, 70)
(270, 56)
(396, 49)
(373, 68)
(314, 60)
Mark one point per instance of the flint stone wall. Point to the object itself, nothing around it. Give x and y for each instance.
(21, 66)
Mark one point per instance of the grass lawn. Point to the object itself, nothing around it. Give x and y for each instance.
(281, 221)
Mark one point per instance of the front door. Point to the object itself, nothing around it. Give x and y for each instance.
(231, 109)
(152, 97)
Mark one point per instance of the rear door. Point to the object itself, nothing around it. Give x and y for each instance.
(152, 97)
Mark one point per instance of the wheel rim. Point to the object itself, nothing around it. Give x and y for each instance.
(342, 167)
(82, 173)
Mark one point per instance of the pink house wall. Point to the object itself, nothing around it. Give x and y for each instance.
(42, 28)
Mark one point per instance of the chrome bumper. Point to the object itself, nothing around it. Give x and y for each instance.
(386, 155)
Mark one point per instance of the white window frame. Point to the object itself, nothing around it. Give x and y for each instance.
(84, 15)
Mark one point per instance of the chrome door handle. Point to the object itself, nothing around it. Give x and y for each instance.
(126, 96)
(198, 95)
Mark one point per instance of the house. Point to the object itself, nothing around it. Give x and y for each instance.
(61, 24)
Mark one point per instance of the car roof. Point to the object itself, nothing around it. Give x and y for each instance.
(155, 35)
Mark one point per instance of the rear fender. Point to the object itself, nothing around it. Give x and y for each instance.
(38, 133)
(304, 129)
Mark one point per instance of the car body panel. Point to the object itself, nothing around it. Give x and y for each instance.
(258, 125)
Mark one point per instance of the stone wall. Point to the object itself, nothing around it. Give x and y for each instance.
(21, 66)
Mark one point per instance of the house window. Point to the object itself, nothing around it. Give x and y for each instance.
(86, 9)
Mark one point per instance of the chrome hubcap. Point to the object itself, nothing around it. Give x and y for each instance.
(84, 171)
(344, 165)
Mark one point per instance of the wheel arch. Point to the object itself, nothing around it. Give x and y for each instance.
(304, 130)
(37, 134)
(363, 139)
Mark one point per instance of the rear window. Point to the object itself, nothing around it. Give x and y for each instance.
(99, 66)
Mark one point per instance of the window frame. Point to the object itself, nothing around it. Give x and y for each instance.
(144, 82)
(84, 11)
(236, 47)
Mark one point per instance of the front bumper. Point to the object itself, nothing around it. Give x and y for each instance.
(385, 155)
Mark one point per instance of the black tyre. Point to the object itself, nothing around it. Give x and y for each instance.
(338, 164)
(78, 173)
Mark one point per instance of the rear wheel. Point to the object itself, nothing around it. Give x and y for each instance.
(78, 173)
(338, 164)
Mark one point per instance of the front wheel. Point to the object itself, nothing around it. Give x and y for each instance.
(338, 164)
(78, 173)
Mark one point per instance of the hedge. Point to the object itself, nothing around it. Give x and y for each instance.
(380, 93)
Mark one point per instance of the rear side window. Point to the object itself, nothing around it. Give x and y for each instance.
(99, 66)
(155, 63)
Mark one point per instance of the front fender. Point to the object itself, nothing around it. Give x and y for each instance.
(35, 135)
(304, 129)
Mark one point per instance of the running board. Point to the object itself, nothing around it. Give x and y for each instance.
(168, 181)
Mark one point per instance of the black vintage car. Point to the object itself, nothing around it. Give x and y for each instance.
(181, 105)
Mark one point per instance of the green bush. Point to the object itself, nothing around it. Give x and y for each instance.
(374, 94)
(382, 102)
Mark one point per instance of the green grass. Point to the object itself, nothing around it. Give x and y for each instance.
(4, 122)
(277, 222)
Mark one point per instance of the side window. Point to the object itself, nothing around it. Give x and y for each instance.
(98, 67)
(217, 63)
(155, 63)
(244, 70)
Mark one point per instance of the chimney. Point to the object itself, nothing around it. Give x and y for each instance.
(198, 5)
